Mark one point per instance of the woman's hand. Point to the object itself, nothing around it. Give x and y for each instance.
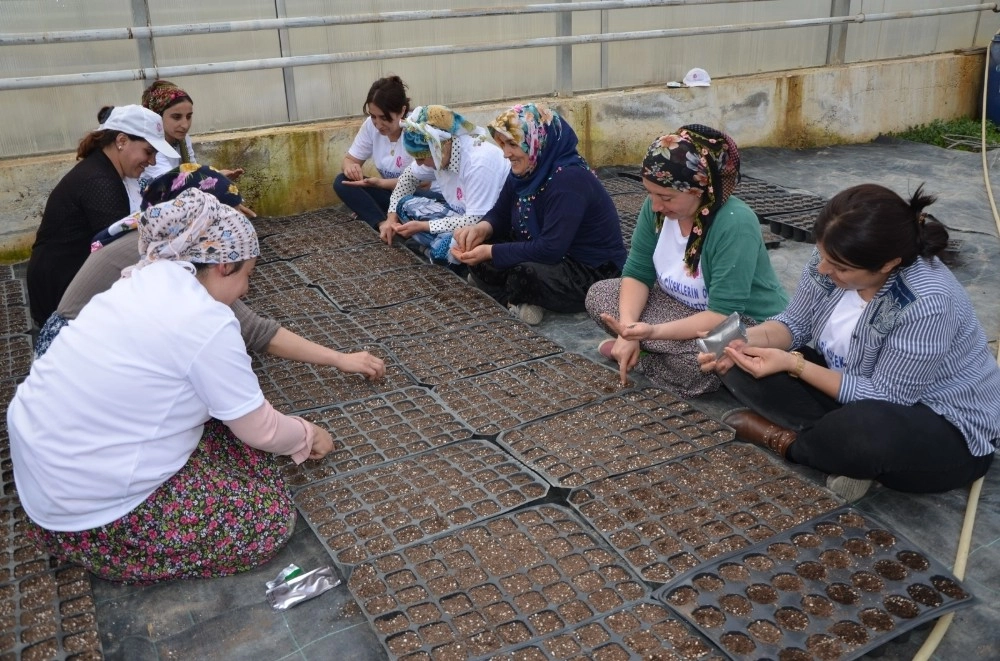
(759, 361)
(233, 174)
(322, 442)
(477, 255)
(634, 332)
(245, 210)
(470, 236)
(626, 354)
(409, 228)
(366, 182)
(353, 171)
(362, 362)
(709, 363)
(387, 228)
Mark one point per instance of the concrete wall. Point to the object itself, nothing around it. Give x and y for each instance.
(290, 168)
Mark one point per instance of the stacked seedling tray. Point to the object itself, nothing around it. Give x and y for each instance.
(620, 433)
(377, 510)
(834, 588)
(293, 387)
(671, 518)
(501, 400)
(797, 226)
(492, 587)
(376, 431)
(440, 312)
(437, 358)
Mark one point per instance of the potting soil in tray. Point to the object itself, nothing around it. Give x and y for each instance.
(20, 557)
(441, 311)
(389, 288)
(438, 358)
(319, 238)
(49, 616)
(670, 519)
(294, 387)
(494, 586)
(646, 630)
(267, 226)
(834, 588)
(374, 261)
(501, 400)
(620, 433)
(15, 356)
(274, 277)
(376, 431)
(12, 292)
(377, 510)
(292, 304)
(334, 330)
(14, 320)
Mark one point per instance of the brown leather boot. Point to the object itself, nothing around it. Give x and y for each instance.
(755, 428)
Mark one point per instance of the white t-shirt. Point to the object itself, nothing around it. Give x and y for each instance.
(835, 338)
(672, 276)
(389, 158)
(117, 404)
(482, 171)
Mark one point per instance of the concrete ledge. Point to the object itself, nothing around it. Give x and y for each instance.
(290, 168)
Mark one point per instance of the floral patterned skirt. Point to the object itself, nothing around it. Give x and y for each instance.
(226, 511)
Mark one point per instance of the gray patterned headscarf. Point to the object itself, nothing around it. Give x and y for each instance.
(194, 227)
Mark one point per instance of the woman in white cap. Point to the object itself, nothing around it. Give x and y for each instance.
(88, 199)
(141, 442)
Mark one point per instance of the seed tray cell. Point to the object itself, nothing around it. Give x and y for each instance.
(294, 387)
(7, 272)
(376, 431)
(617, 185)
(350, 263)
(15, 356)
(18, 555)
(620, 433)
(834, 588)
(320, 239)
(389, 288)
(492, 587)
(269, 279)
(292, 304)
(49, 616)
(439, 358)
(12, 292)
(669, 519)
(644, 631)
(442, 311)
(377, 510)
(313, 219)
(506, 398)
(336, 330)
(14, 320)
(795, 226)
(750, 190)
(8, 499)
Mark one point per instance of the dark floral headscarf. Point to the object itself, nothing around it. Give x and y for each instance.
(696, 157)
(161, 95)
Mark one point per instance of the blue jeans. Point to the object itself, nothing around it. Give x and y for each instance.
(369, 203)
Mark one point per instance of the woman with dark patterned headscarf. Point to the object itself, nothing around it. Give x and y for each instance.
(142, 444)
(697, 256)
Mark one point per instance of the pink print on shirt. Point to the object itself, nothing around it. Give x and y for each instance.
(458, 193)
(399, 162)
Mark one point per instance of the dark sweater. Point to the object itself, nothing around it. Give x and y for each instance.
(577, 219)
(89, 198)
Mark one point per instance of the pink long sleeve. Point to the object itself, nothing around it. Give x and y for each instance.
(270, 431)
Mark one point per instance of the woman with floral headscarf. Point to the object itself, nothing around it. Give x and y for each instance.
(697, 256)
(141, 441)
(468, 169)
(554, 229)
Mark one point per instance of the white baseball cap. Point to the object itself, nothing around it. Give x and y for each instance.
(142, 123)
(697, 78)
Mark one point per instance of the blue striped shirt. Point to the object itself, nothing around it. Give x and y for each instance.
(918, 341)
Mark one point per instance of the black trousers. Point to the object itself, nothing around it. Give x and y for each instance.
(560, 287)
(906, 448)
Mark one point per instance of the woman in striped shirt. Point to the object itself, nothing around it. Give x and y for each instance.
(891, 378)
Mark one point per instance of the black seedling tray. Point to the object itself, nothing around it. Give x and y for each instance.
(7, 272)
(373, 261)
(771, 240)
(750, 190)
(389, 288)
(670, 519)
(318, 217)
(381, 509)
(506, 398)
(437, 358)
(19, 557)
(785, 203)
(795, 226)
(292, 304)
(269, 279)
(617, 434)
(376, 431)
(834, 588)
(335, 330)
(617, 185)
(49, 616)
(440, 312)
(646, 630)
(13, 292)
(493, 587)
(294, 387)
(14, 320)
(15, 356)
(320, 239)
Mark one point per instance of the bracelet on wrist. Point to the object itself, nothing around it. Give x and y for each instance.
(800, 364)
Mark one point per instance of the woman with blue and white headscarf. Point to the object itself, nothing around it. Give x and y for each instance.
(469, 169)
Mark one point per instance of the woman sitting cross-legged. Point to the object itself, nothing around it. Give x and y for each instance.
(891, 378)
(141, 441)
(554, 230)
